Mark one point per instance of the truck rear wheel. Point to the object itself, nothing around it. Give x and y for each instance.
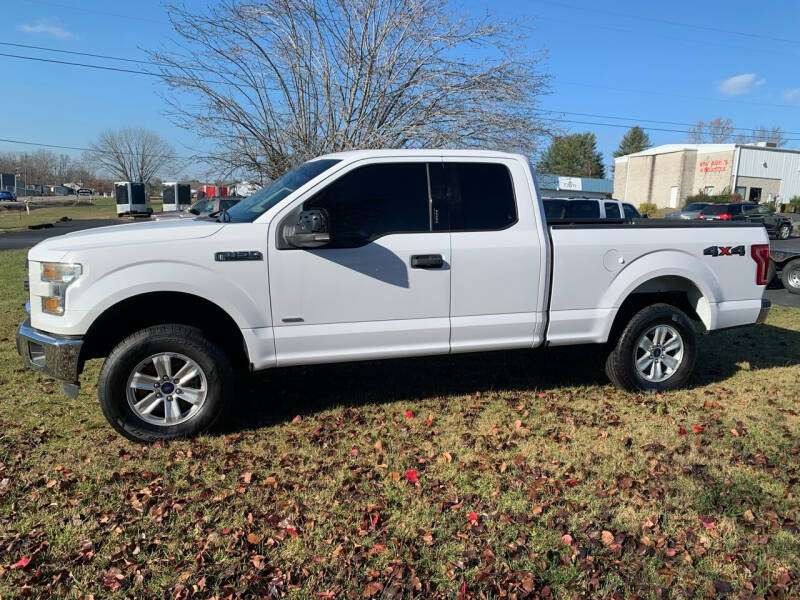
(164, 382)
(655, 352)
(791, 276)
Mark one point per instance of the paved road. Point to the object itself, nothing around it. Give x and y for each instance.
(31, 237)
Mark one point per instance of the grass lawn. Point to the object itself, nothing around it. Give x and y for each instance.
(11, 220)
(534, 478)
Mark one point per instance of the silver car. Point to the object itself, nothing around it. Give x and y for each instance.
(690, 211)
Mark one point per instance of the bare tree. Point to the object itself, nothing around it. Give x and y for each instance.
(762, 133)
(131, 154)
(716, 131)
(277, 82)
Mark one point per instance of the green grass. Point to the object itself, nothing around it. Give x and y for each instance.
(537, 444)
(13, 219)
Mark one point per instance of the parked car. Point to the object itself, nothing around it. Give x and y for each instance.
(8, 195)
(369, 255)
(777, 225)
(785, 263)
(84, 192)
(690, 211)
(202, 208)
(588, 208)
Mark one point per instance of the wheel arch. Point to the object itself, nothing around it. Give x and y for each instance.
(136, 312)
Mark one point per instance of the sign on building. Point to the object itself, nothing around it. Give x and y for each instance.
(569, 183)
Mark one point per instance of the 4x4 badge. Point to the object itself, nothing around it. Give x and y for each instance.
(724, 251)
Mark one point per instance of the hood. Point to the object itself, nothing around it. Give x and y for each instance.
(148, 232)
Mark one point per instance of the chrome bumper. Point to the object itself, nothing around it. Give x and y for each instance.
(762, 315)
(56, 356)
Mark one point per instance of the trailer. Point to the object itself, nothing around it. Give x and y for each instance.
(132, 199)
(177, 196)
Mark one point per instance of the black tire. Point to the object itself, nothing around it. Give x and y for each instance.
(179, 340)
(784, 231)
(790, 276)
(620, 363)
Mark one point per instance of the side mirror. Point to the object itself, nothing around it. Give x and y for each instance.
(310, 231)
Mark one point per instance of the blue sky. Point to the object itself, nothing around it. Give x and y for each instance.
(632, 59)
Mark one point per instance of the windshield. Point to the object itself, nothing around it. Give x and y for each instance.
(252, 207)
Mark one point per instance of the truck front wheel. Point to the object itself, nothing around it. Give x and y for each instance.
(164, 382)
(655, 352)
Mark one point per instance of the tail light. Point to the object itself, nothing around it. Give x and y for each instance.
(725, 216)
(760, 254)
(700, 216)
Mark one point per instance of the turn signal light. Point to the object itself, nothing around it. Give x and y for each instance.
(760, 254)
(53, 305)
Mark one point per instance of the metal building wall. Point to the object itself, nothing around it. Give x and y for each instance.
(779, 165)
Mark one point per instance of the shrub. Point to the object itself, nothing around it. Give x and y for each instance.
(724, 196)
(647, 208)
(794, 202)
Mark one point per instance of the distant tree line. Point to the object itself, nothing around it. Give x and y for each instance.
(44, 167)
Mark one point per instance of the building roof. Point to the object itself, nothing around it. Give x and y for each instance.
(700, 149)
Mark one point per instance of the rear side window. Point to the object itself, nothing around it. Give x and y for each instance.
(481, 197)
(583, 209)
(374, 201)
(612, 210)
(553, 209)
(630, 211)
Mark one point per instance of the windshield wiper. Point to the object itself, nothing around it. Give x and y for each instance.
(222, 212)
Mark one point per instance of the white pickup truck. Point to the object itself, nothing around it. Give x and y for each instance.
(372, 255)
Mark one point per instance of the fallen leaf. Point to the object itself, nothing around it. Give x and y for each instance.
(472, 517)
(698, 429)
(378, 445)
(292, 531)
(749, 516)
(21, 563)
(412, 476)
(409, 414)
(254, 538)
(681, 431)
(707, 521)
(567, 539)
(297, 419)
(735, 432)
(607, 537)
(354, 452)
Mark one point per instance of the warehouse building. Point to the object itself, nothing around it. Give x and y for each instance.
(666, 175)
(558, 186)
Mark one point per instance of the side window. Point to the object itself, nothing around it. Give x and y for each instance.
(553, 209)
(612, 210)
(373, 201)
(764, 210)
(630, 211)
(481, 196)
(583, 209)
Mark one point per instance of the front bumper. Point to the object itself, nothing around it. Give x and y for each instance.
(53, 355)
(765, 306)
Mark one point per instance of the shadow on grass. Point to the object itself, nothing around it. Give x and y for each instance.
(280, 394)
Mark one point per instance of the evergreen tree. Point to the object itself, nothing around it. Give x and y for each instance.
(575, 155)
(635, 140)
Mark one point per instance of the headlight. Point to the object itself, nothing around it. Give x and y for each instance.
(59, 276)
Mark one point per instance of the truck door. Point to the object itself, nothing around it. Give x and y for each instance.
(380, 287)
(497, 272)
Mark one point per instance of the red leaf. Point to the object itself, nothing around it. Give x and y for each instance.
(409, 414)
(472, 517)
(698, 429)
(291, 531)
(429, 422)
(354, 452)
(375, 518)
(708, 522)
(326, 594)
(21, 563)
(681, 431)
(463, 593)
(567, 538)
(412, 476)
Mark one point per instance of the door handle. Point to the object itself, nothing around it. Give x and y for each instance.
(427, 261)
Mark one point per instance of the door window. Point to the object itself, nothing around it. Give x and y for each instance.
(373, 201)
(583, 209)
(612, 210)
(479, 197)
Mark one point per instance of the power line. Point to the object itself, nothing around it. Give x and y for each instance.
(59, 147)
(76, 64)
(669, 22)
(105, 56)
